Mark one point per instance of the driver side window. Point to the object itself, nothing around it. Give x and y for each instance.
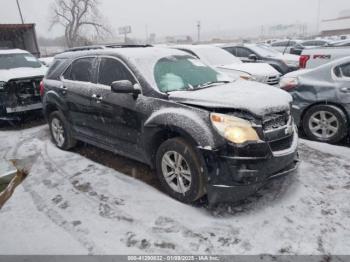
(111, 70)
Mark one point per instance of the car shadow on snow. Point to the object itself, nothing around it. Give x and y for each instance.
(272, 192)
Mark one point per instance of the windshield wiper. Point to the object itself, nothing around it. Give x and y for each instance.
(212, 83)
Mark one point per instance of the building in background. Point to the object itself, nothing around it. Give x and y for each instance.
(336, 26)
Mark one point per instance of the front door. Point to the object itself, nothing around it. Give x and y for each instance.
(116, 116)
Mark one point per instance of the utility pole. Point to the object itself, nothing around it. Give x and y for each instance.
(20, 11)
(199, 30)
(318, 16)
(147, 38)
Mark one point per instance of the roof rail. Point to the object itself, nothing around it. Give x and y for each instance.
(93, 47)
(84, 48)
(126, 45)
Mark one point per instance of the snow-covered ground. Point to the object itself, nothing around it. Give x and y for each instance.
(71, 205)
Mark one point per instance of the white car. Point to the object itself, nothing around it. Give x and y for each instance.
(231, 65)
(20, 77)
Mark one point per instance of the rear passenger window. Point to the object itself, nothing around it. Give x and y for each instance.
(81, 69)
(111, 70)
(342, 71)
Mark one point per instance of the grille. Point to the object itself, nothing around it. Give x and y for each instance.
(274, 121)
(273, 80)
(23, 92)
(281, 144)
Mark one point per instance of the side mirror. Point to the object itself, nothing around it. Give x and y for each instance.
(253, 57)
(125, 87)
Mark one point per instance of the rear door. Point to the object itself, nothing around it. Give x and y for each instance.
(76, 91)
(116, 118)
(342, 74)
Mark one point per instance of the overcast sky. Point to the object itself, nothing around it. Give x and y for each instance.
(178, 17)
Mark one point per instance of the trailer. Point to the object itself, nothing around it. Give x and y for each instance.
(22, 36)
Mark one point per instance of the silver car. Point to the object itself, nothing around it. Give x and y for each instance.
(321, 105)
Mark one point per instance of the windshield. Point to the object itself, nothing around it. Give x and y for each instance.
(176, 73)
(10, 61)
(216, 56)
(264, 51)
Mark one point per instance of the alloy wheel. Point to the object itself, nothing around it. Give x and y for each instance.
(176, 172)
(324, 124)
(57, 131)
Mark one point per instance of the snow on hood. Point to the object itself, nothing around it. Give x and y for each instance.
(23, 72)
(256, 69)
(259, 99)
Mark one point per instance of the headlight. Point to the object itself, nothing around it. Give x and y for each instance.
(2, 85)
(247, 77)
(234, 129)
(237, 74)
(288, 83)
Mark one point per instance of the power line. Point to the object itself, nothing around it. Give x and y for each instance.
(20, 11)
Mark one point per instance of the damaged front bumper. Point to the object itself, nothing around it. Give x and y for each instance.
(14, 113)
(235, 174)
(19, 96)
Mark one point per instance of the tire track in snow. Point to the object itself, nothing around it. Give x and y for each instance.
(53, 215)
(107, 208)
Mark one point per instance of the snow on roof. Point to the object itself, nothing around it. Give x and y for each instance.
(12, 51)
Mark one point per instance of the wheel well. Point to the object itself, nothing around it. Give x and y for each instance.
(324, 103)
(49, 109)
(163, 135)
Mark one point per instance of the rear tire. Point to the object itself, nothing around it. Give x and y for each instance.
(60, 131)
(179, 170)
(325, 123)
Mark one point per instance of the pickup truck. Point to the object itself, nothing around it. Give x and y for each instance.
(311, 58)
(20, 76)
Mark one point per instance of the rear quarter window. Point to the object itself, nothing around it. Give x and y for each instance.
(55, 69)
(82, 69)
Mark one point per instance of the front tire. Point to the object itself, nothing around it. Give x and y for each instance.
(179, 170)
(325, 123)
(60, 131)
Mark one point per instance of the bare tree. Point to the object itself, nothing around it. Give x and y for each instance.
(78, 17)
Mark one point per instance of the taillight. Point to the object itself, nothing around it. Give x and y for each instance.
(42, 88)
(303, 60)
(288, 83)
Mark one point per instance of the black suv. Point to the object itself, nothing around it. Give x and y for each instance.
(203, 133)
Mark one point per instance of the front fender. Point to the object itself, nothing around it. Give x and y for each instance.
(194, 123)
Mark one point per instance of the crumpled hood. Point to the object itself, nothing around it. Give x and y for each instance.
(259, 99)
(255, 69)
(23, 72)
